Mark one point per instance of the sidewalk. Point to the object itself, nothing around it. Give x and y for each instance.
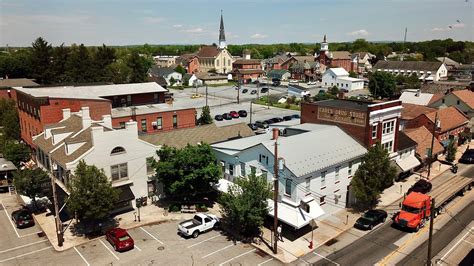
(332, 225)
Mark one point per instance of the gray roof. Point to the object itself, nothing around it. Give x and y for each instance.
(6, 165)
(409, 65)
(21, 82)
(160, 71)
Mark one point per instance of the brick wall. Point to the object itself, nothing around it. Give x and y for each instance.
(4, 94)
(193, 66)
(344, 63)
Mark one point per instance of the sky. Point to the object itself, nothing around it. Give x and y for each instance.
(130, 22)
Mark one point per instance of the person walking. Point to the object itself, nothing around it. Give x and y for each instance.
(279, 228)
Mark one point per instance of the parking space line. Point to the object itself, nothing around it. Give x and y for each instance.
(31, 234)
(326, 258)
(10, 219)
(26, 254)
(151, 235)
(260, 264)
(198, 243)
(135, 245)
(455, 245)
(212, 253)
(84, 259)
(243, 254)
(27, 245)
(111, 252)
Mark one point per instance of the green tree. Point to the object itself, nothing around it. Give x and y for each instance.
(206, 117)
(244, 206)
(79, 65)
(334, 90)
(180, 69)
(92, 195)
(187, 173)
(118, 72)
(60, 56)
(103, 57)
(41, 61)
(382, 85)
(352, 74)
(139, 66)
(9, 121)
(451, 151)
(172, 81)
(16, 152)
(373, 176)
(32, 183)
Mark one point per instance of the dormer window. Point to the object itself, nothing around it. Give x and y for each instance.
(117, 150)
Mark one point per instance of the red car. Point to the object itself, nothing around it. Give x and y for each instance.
(119, 239)
(234, 114)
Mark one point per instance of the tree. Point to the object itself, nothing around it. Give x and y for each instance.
(334, 90)
(206, 117)
(187, 173)
(16, 152)
(60, 57)
(9, 121)
(32, 183)
(382, 85)
(103, 57)
(92, 195)
(79, 65)
(244, 206)
(352, 74)
(451, 151)
(118, 72)
(180, 69)
(172, 81)
(373, 176)
(139, 66)
(41, 61)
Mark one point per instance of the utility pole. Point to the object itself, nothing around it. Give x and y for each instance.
(275, 193)
(268, 98)
(238, 88)
(59, 225)
(206, 93)
(430, 239)
(432, 144)
(250, 111)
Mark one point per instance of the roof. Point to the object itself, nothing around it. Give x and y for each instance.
(179, 138)
(411, 111)
(206, 76)
(409, 65)
(92, 92)
(422, 137)
(416, 97)
(301, 59)
(247, 62)
(351, 79)
(448, 61)
(247, 71)
(160, 71)
(404, 142)
(467, 96)
(436, 97)
(148, 109)
(208, 51)
(185, 58)
(449, 117)
(6, 165)
(338, 71)
(20, 82)
(349, 104)
(338, 55)
(277, 72)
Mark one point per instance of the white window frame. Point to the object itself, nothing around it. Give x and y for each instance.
(287, 181)
(374, 131)
(388, 127)
(121, 171)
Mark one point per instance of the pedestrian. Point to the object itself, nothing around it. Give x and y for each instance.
(279, 228)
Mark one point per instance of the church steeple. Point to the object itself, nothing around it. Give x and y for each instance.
(324, 45)
(222, 44)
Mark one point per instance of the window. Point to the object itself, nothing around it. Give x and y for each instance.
(149, 165)
(349, 169)
(155, 97)
(175, 121)
(288, 186)
(253, 170)
(231, 169)
(323, 179)
(117, 150)
(144, 125)
(374, 131)
(308, 185)
(159, 123)
(263, 158)
(242, 169)
(321, 200)
(388, 146)
(217, 62)
(129, 99)
(119, 171)
(336, 178)
(122, 124)
(458, 102)
(442, 100)
(388, 127)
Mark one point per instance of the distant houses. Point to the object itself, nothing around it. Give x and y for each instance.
(426, 71)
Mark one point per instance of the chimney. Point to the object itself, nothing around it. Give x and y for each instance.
(66, 113)
(86, 118)
(107, 120)
(276, 132)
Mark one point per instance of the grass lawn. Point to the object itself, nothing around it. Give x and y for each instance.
(263, 101)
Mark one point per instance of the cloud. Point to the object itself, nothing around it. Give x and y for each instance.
(258, 36)
(438, 29)
(153, 20)
(458, 26)
(177, 26)
(194, 30)
(361, 32)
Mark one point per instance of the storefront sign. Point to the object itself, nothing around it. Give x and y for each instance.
(342, 116)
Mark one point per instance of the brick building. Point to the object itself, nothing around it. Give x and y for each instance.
(335, 59)
(247, 70)
(190, 62)
(7, 85)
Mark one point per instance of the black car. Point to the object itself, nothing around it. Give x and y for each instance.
(296, 116)
(467, 156)
(277, 119)
(370, 219)
(264, 90)
(421, 186)
(287, 117)
(253, 92)
(23, 218)
(227, 116)
(242, 113)
(261, 124)
(218, 118)
(245, 90)
(252, 126)
(269, 121)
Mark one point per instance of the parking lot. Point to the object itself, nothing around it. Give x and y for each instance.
(154, 245)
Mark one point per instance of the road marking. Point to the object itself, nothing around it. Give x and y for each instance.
(151, 235)
(325, 258)
(243, 254)
(26, 254)
(455, 245)
(139, 249)
(10, 219)
(212, 253)
(203, 241)
(27, 245)
(111, 252)
(31, 234)
(260, 264)
(84, 259)
(468, 242)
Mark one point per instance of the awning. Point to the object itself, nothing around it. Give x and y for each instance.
(125, 194)
(408, 163)
(295, 216)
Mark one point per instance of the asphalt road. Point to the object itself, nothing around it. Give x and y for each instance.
(371, 248)
(441, 238)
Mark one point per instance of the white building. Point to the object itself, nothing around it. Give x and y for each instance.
(426, 71)
(339, 77)
(120, 153)
(417, 97)
(319, 161)
(165, 60)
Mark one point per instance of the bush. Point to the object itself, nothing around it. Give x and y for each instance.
(174, 207)
(201, 208)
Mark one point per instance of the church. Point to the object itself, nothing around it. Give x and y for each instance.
(328, 59)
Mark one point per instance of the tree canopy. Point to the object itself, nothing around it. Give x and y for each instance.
(206, 117)
(16, 152)
(9, 121)
(32, 183)
(382, 85)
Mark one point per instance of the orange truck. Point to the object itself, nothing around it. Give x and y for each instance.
(416, 207)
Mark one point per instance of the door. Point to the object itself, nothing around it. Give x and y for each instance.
(207, 223)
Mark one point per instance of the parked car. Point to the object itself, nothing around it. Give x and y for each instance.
(269, 121)
(467, 157)
(287, 117)
(245, 90)
(422, 186)
(252, 126)
(370, 219)
(261, 124)
(226, 116)
(218, 118)
(199, 224)
(264, 90)
(277, 119)
(276, 83)
(253, 92)
(234, 114)
(282, 100)
(23, 218)
(296, 116)
(119, 239)
(293, 81)
(242, 113)
(310, 83)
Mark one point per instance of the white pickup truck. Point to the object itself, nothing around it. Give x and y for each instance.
(199, 224)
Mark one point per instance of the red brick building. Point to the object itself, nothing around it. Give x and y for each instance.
(7, 85)
(190, 62)
(368, 122)
(247, 69)
(336, 58)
